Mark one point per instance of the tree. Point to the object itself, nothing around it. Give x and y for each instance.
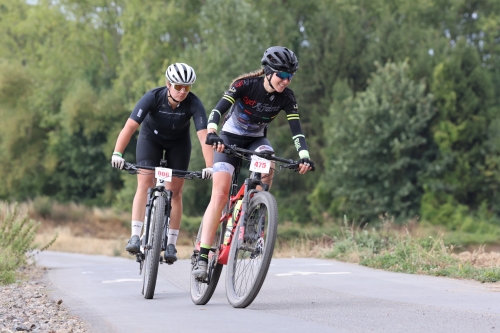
(377, 146)
(464, 97)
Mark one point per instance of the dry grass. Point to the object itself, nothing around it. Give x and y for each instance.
(303, 248)
(479, 258)
(105, 231)
(68, 242)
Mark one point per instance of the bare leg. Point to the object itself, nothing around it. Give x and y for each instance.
(220, 192)
(141, 195)
(268, 179)
(176, 187)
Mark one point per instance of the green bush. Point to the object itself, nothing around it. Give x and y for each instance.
(190, 225)
(17, 233)
(43, 206)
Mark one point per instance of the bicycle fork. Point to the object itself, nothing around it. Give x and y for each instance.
(147, 223)
(166, 222)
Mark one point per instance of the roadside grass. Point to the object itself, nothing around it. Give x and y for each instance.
(17, 235)
(393, 248)
(417, 247)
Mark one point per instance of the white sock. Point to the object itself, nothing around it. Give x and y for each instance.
(136, 228)
(172, 236)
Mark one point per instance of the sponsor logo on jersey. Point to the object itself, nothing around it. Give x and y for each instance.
(239, 84)
(248, 101)
(297, 143)
(243, 118)
(261, 107)
(139, 114)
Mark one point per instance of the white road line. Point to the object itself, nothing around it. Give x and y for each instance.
(311, 273)
(301, 265)
(121, 280)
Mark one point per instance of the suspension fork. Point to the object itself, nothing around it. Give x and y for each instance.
(149, 205)
(250, 188)
(166, 218)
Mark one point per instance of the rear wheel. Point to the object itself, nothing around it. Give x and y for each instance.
(252, 250)
(202, 291)
(152, 250)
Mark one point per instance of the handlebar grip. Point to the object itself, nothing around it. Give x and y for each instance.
(130, 168)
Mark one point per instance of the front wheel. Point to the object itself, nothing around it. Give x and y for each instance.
(153, 248)
(252, 250)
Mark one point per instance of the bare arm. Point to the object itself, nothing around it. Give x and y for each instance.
(125, 135)
(207, 150)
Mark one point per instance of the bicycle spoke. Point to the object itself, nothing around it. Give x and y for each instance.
(248, 263)
(250, 257)
(201, 291)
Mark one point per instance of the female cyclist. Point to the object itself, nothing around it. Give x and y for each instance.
(165, 114)
(254, 100)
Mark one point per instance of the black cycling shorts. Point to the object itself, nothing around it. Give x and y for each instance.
(245, 142)
(149, 151)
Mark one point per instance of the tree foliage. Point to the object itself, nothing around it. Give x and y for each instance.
(377, 146)
(71, 72)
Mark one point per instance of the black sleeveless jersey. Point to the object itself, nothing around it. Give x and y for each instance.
(159, 120)
(252, 108)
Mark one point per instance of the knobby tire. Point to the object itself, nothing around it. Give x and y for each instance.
(202, 292)
(152, 254)
(246, 268)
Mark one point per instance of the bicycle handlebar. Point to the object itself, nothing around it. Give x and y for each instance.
(133, 169)
(240, 152)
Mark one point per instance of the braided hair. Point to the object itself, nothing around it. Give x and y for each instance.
(254, 73)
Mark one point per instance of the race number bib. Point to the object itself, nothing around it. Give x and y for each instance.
(259, 164)
(164, 174)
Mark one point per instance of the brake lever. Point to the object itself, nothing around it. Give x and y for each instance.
(130, 168)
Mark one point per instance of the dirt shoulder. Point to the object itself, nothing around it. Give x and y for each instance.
(26, 307)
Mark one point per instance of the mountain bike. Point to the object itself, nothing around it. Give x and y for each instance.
(246, 234)
(157, 220)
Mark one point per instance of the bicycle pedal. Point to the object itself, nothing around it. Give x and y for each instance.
(202, 280)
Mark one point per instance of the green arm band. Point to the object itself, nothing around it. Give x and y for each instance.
(304, 154)
(212, 126)
(118, 153)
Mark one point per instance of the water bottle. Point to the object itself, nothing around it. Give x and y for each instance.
(229, 227)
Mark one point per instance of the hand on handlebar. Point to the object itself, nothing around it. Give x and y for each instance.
(117, 161)
(305, 165)
(206, 173)
(215, 141)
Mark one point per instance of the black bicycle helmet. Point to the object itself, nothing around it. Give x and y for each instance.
(281, 59)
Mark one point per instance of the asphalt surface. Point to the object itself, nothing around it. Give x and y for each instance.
(299, 295)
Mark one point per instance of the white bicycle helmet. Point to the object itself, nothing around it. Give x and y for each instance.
(180, 73)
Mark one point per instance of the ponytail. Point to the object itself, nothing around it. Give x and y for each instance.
(255, 73)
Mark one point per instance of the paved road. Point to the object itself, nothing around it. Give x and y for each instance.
(299, 295)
